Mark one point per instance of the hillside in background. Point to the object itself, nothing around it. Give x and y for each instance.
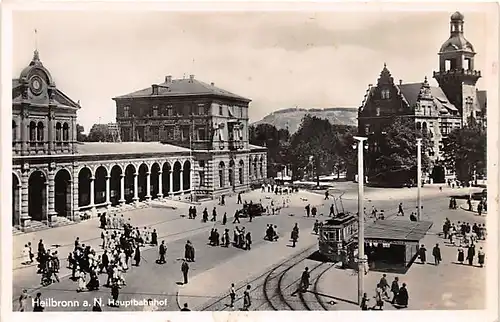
(293, 117)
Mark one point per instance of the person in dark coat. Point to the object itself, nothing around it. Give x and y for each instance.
(162, 251)
(205, 215)
(248, 239)
(224, 219)
(364, 302)
(239, 198)
(308, 210)
(214, 215)
(460, 256)
(137, 256)
(421, 254)
(480, 257)
(103, 221)
(185, 270)
(115, 292)
(403, 296)
(304, 279)
(294, 237)
(471, 252)
(395, 289)
(436, 252)
(154, 237)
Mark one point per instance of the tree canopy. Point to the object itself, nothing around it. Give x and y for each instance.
(464, 150)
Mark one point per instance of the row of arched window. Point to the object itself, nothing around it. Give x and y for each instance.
(231, 174)
(36, 131)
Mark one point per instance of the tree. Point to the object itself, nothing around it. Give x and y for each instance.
(313, 147)
(99, 133)
(392, 153)
(464, 150)
(80, 136)
(276, 142)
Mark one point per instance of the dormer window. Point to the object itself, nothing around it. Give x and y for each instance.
(386, 94)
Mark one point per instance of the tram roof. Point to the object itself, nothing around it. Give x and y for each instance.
(397, 230)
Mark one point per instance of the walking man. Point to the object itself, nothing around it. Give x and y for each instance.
(185, 269)
(400, 210)
(239, 198)
(304, 280)
(236, 217)
(214, 215)
(246, 299)
(395, 289)
(232, 295)
(162, 251)
(436, 252)
(308, 210)
(224, 219)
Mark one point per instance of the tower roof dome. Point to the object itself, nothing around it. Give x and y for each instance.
(457, 16)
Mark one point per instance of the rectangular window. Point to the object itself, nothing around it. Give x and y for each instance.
(126, 111)
(202, 178)
(201, 134)
(155, 111)
(185, 133)
(155, 133)
(221, 111)
(169, 132)
(201, 109)
(170, 110)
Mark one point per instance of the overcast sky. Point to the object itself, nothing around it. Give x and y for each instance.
(278, 60)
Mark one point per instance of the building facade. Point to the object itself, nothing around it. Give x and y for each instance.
(209, 121)
(434, 110)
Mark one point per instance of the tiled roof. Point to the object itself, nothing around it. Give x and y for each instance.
(256, 147)
(410, 92)
(397, 230)
(127, 148)
(181, 87)
(441, 100)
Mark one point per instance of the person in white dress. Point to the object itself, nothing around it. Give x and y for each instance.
(81, 281)
(26, 255)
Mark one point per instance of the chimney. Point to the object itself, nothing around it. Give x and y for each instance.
(400, 82)
(168, 79)
(212, 84)
(191, 78)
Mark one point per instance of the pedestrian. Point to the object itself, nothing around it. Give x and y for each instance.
(185, 308)
(224, 219)
(214, 215)
(421, 254)
(395, 289)
(115, 292)
(294, 237)
(332, 213)
(304, 280)
(248, 241)
(378, 298)
(185, 270)
(38, 303)
(471, 252)
(364, 302)
(384, 285)
(154, 238)
(26, 255)
(222, 200)
(137, 255)
(247, 302)
(239, 198)
(232, 295)
(23, 298)
(162, 252)
(308, 210)
(480, 208)
(460, 256)
(400, 209)
(326, 195)
(436, 252)
(480, 257)
(402, 299)
(236, 217)
(314, 211)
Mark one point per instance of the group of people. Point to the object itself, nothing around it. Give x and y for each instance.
(463, 232)
(48, 262)
(399, 294)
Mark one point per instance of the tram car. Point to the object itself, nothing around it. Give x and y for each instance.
(337, 236)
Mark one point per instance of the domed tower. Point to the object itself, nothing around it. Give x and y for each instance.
(456, 75)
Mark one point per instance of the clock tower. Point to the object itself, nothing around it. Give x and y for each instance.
(457, 76)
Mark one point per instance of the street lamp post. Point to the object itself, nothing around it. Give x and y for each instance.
(361, 219)
(419, 177)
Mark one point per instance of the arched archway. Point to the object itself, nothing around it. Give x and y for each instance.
(16, 209)
(100, 185)
(186, 176)
(154, 180)
(142, 182)
(231, 173)
(177, 176)
(129, 183)
(166, 168)
(115, 185)
(241, 178)
(84, 187)
(222, 169)
(62, 200)
(438, 174)
(37, 196)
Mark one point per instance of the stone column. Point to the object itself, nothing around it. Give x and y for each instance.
(160, 185)
(46, 217)
(181, 182)
(76, 195)
(92, 206)
(148, 185)
(51, 196)
(108, 191)
(122, 189)
(25, 217)
(136, 188)
(171, 181)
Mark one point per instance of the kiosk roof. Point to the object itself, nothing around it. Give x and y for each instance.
(397, 230)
